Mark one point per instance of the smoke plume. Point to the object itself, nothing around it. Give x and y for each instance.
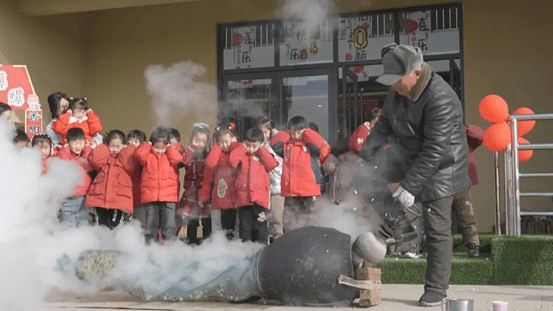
(310, 12)
(40, 255)
(176, 92)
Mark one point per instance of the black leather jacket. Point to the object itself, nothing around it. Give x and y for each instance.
(427, 126)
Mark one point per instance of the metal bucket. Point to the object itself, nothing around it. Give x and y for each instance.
(458, 305)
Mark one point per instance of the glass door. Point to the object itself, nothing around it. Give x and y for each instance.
(247, 98)
(307, 93)
(350, 104)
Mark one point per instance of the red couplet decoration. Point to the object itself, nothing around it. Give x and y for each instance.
(494, 109)
(524, 155)
(497, 136)
(524, 127)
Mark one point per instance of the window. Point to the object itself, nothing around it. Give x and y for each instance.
(249, 46)
(362, 37)
(433, 31)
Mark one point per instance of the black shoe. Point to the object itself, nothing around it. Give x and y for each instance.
(431, 298)
(474, 250)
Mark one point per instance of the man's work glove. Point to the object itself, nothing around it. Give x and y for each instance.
(404, 197)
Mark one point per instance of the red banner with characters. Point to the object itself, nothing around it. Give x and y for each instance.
(16, 90)
(33, 122)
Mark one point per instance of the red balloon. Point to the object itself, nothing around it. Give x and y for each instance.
(524, 127)
(497, 136)
(524, 155)
(494, 109)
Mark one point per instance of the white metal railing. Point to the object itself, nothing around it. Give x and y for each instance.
(512, 178)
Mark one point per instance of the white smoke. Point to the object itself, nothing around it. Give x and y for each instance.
(176, 92)
(28, 207)
(310, 12)
(38, 254)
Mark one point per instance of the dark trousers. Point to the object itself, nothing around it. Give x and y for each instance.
(462, 205)
(439, 243)
(228, 222)
(192, 229)
(296, 212)
(160, 215)
(139, 213)
(108, 217)
(253, 224)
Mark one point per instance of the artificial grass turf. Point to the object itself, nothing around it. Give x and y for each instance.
(525, 260)
(413, 271)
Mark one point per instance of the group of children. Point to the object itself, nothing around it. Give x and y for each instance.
(263, 181)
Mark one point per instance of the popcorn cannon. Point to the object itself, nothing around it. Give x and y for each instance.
(310, 266)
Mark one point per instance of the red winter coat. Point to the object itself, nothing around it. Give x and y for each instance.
(81, 159)
(222, 175)
(160, 173)
(136, 179)
(475, 137)
(358, 139)
(44, 165)
(194, 165)
(112, 187)
(253, 182)
(300, 169)
(90, 126)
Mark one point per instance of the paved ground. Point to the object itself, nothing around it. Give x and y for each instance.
(394, 297)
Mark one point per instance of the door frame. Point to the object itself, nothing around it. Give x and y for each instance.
(223, 106)
(332, 96)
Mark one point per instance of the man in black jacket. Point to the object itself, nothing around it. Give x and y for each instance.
(423, 117)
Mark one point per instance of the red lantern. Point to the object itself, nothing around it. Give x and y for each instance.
(494, 109)
(524, 155)
(524, 127)
(497, 136)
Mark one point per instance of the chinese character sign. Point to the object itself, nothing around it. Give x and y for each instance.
(361, 38)
(249, 47)
(15, 86)
(306, 43)
(33, 122)
(16, 90)
(416, 26)
(442, 37)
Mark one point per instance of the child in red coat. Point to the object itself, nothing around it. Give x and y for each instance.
(21, 139)
(44, 143)
(194, 165)
(72, 211)
(110, 194)
(160, 184)
(300, 149)
(219, 173)
(174, 134)
(462, 201)
(135, 138)
(78, 116)
(253, 182)
(359, 136)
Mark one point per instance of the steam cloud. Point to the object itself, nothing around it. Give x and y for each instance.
(39, 254)
(311, 12)
(176, 92)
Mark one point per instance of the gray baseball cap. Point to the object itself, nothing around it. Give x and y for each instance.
(398, 60)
